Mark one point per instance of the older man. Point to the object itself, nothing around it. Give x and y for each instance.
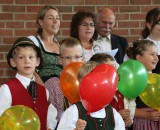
(105, 24)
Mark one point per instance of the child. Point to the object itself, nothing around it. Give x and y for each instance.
(24, 57)
(145, 51)
(76, 118)
(70, 51)
(125, 107)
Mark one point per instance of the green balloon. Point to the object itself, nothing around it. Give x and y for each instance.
(132, 78)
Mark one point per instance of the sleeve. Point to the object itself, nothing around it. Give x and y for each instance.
(69, 119)
(33, 38)
(5, 98)
(51, 117)
(119, 123)
(131, 105)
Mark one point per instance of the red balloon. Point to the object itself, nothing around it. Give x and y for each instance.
(97, 88)
(69, 82)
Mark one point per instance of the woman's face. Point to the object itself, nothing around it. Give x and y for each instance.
(86, 29)
(51, 22)
(149, 59)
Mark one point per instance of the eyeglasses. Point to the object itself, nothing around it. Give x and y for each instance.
(71, 57)
(87, 24)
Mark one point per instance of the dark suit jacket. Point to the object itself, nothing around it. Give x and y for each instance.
(120, 43)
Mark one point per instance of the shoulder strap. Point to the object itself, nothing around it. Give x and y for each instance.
(39, 42)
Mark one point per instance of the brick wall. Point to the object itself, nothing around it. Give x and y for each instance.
(17, 18)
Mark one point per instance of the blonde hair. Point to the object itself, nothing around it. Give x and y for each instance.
(85, 69)
(69, 42)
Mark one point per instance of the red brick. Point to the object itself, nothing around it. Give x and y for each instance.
(137, 16)
(66, 32)
(15, 24)
(64, 9)
(142, 24)
(6, 16)
(135, 32)
(65, 24)
(67, 16)
(6, 1)
(72, 2)
(1, 24)
(86, 8)
(129, 9)
(140, 2)
(156, 1)
(31, 25)
(10, 72)
(25, 16)
(118, 2)
(2, 72)
(132, 38)
(26, 1)
(33, 8)
(2, 57)
(114, 8)
(49, 1)
(145, 9)
(6, 32)
(128, 24)
(24, 32)
(3, 64)
(121, 32)
(13, 8)
(96, 2)
(122, 16)
(9, 40)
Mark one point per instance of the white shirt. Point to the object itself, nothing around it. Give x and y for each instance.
(6, 101)
(70, 117)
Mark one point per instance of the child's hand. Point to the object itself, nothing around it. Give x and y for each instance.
(80, 124)
(154, 115)
(125, 113)
(128, 122)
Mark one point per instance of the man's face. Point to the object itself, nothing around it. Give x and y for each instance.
(106, 23)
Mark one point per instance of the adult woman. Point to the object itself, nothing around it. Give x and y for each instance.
(48, 21)
(83, 28)
(152, 31)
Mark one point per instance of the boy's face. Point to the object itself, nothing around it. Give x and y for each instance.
(71, 54)
(25, 61)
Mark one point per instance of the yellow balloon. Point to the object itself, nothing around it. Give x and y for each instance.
(151, 95)
(19, 117)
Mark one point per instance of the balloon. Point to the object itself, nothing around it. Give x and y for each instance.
(19, 117)
(151, 95)
(97, 88)
(69, 82)
(132, 78)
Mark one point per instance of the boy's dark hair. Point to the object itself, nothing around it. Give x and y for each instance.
(101, 58)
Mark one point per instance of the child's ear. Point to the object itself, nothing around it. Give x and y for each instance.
(138, 57)
(60, 60)
(38, 62)
(12, 62)
(148, 25)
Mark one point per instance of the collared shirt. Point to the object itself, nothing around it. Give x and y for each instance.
(70, 117)
(105, 42)
(6, 100)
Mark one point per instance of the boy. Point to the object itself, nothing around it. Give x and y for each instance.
(70, 51)
(24, 57)
(76, 118)
(124, 106)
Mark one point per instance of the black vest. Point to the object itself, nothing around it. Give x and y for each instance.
(106, 123)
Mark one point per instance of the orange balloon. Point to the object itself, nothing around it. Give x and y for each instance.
(69, 82)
